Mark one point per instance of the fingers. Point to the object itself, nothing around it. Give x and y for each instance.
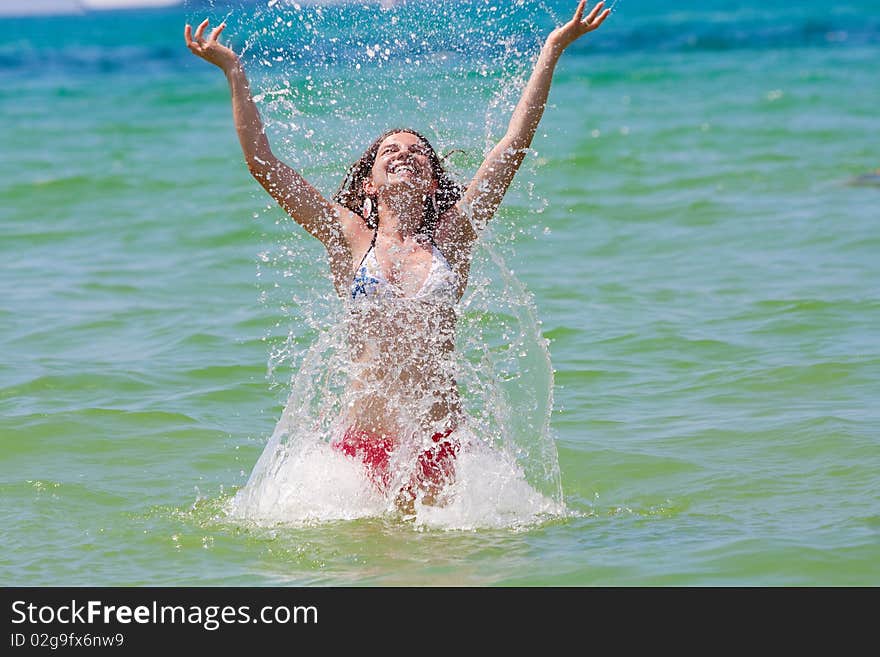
(195, 41)
(601, 18)
(579, 25)
(216, 32)
(200, 30)
(592, 15)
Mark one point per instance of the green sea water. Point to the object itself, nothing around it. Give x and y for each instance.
(696, 233)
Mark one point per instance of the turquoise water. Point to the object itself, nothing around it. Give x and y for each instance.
(689, 230)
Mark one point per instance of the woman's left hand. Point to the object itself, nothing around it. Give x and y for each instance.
(210, 49)
(578, 26)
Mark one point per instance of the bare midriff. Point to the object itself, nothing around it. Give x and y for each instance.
(402, 368)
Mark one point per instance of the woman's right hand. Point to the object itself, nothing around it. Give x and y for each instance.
(210, 49)
(578, 26)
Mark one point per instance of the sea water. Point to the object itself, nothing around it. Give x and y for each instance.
(687, 259)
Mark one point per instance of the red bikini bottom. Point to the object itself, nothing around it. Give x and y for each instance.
(435, 466)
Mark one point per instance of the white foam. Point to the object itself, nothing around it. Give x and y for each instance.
(308, 481)
(490, 490)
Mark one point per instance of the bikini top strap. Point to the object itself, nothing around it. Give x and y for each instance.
(367, 252)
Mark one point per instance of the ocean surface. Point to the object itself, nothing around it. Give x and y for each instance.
(687, 268)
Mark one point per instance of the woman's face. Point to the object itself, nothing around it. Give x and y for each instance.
(402, 162)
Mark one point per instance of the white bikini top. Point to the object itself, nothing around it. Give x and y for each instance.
(440, 286)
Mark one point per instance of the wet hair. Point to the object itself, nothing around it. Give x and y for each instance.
(351, 192)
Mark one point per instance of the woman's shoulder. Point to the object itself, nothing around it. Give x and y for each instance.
(354, 228)
(454, 234)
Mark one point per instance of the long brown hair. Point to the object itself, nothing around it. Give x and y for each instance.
(351, 192)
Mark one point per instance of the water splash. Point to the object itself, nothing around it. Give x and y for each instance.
(328, 78)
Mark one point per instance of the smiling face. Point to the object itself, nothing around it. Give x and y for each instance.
(403, 162)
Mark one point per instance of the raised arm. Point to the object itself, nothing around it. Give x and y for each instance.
(486, 190)
(302, 202)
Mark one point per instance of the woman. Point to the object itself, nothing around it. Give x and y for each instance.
(399, 236)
